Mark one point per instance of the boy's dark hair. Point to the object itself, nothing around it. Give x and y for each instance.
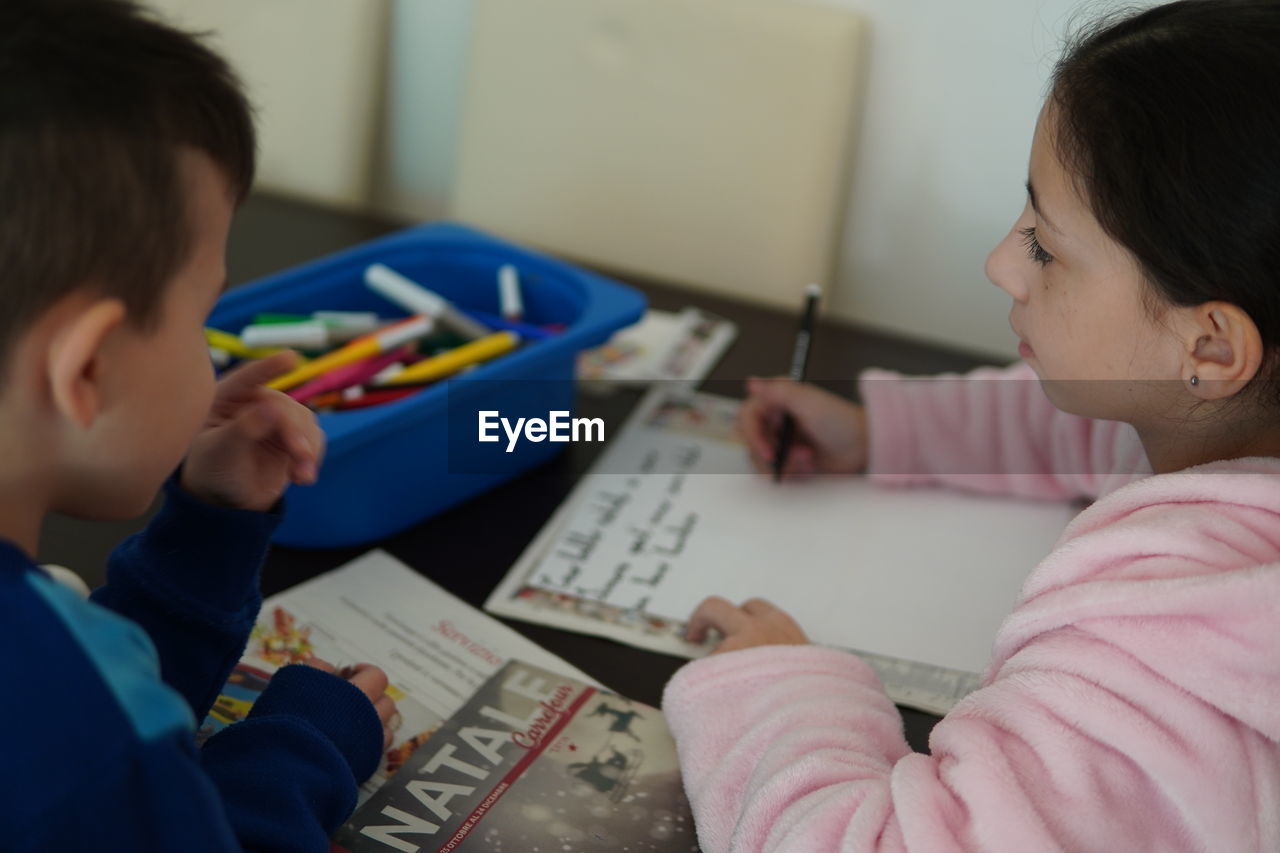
(96, 100)
(1169, 119)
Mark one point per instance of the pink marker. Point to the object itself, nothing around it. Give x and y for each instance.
(352, 374)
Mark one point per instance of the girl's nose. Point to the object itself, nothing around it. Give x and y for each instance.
(1006, 266)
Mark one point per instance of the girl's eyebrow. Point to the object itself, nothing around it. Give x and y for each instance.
(1031, 194)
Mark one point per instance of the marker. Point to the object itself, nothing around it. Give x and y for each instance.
(343, 377)
(376, 398)
(509, 294)
(219, 356)
(329, 399)
(359, 397)
(524, 330)
(348, 325)
(416, 299)
(448, 363)
(389, 338)
(799, 363)
(232, 345)
(309, 334)
(342, 325)
(390, 370)
(273, 317)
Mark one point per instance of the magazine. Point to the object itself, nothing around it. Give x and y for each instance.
(436, 649)
(664, 345)
(533, 761)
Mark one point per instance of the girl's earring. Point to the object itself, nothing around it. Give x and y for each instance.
(1195, 380)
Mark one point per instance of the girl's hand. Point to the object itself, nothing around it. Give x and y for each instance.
(755, 623)
(255, 442)
(372, 681)
(830, 435)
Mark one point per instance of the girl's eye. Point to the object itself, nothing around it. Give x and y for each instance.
(1034, 250)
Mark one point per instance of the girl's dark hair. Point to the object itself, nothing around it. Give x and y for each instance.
(1169, 119)
(96, 100)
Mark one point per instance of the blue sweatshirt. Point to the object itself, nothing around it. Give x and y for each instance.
(99, 701)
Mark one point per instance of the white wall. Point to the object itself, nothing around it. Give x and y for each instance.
(952, 95)
(425, 77)
(953, 90)
(314, 71)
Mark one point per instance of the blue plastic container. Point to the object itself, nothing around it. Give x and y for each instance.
(388, 467)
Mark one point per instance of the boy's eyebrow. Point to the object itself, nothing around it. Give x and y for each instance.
(1031, 194)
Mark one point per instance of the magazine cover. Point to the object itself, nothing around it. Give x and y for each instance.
(534, 761)
(436, 649)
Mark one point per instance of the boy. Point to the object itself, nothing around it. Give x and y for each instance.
(124, 148)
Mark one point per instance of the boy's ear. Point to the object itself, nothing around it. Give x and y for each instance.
(1224, 350)
(76, 358)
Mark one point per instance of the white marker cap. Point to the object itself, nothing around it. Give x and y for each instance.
(386, 373)
(405, 292)
(311, 334)
(509, 296)
(416, 299)
(406, 331)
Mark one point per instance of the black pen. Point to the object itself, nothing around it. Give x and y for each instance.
(799, 362)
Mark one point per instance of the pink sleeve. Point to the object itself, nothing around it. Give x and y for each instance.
(992, 430)
(1129, 707)
(794, 750)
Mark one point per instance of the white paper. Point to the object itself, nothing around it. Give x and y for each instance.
(915, 575)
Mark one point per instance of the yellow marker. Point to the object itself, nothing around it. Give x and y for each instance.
(439, 366)
(233, 345)
(379, 342)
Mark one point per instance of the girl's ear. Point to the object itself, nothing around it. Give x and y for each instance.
(79, 351)
(1224, 350)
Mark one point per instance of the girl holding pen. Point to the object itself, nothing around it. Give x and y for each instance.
(1132, 701)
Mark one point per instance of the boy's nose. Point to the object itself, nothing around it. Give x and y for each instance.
(1005, 266)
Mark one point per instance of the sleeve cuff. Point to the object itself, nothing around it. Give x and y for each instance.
(335, 706)
(751, 669)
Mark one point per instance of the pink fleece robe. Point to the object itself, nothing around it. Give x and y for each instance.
(1132, 701)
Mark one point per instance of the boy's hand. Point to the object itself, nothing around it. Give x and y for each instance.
(255, 442)
(372, 681)
(755, 623)
(830, 436)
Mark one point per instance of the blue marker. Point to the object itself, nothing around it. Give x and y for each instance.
(493, 321)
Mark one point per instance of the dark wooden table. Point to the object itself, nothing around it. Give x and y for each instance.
(459, 549)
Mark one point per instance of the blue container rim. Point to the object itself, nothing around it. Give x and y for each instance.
(610, 306)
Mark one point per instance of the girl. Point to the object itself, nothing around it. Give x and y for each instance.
(1133, 697)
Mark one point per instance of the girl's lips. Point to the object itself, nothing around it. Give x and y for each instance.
(1024, 349)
